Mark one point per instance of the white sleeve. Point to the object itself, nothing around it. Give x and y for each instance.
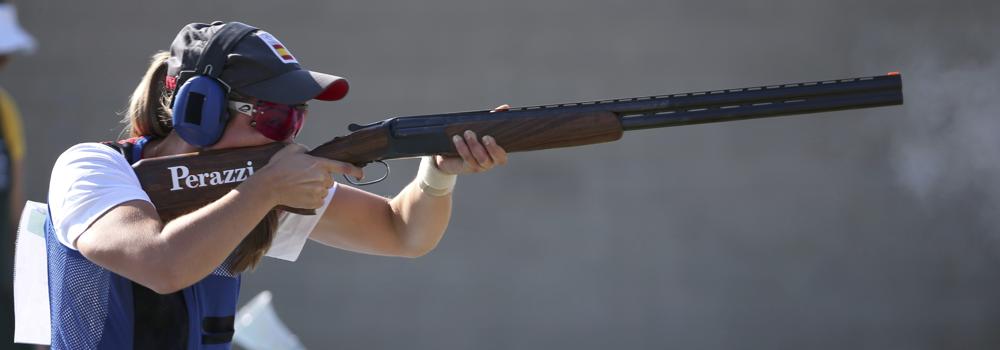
(88, 180)
(294, 230)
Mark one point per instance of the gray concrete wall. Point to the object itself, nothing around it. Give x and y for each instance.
(870, 229)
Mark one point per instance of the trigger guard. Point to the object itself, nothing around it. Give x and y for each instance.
(366, 183)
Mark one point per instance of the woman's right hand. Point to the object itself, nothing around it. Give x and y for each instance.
(295, 179)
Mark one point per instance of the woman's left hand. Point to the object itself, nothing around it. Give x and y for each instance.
(476, 154)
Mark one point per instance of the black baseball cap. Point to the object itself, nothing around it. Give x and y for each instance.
(258, 66)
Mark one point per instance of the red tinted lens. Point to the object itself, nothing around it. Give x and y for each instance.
(278, 121)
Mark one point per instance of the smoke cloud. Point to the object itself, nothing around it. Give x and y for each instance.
(947, 152)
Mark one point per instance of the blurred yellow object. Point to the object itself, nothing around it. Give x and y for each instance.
(10, 118)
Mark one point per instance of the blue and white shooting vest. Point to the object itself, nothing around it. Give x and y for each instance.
(94, 308)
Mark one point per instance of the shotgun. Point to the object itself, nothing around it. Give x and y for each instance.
(182, 183)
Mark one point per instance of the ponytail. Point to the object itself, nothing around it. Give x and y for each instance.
(148, 112)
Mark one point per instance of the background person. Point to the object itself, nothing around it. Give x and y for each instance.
(13, 39)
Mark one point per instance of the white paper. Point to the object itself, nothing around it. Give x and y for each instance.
(31, 287)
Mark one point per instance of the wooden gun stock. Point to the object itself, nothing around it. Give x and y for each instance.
(182, 183)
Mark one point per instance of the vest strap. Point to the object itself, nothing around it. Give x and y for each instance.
(217, 330)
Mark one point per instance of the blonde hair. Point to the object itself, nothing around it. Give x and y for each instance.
(148, 114)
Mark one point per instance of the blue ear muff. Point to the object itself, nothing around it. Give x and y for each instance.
(200, 103)
(200, 111)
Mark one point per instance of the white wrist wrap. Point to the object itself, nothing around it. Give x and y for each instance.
(432, 180)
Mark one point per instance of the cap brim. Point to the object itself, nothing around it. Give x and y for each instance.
(298, 86)
(13, 39)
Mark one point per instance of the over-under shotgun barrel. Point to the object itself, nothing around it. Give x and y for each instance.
(573, 124)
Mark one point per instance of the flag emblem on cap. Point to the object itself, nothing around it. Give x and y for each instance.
(279, 50)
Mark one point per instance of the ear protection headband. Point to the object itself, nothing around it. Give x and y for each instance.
(199, 105)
